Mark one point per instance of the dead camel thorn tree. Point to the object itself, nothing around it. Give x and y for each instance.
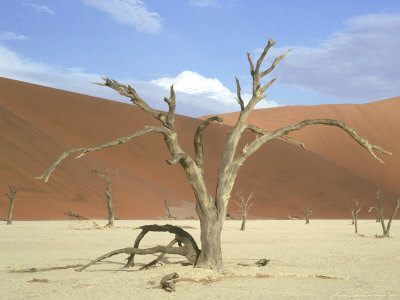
(212, 210)
(307, 213)
(11, 197)
(379, 212)
(104, 173)
(170, 216)
(244, 206)
(355, 209)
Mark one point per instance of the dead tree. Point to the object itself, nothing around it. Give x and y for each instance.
(307, 213)
(109, 179)
(212, 210)
(244, 206)
(379, 212)
(170, 217)
(187, 247)
(355, 209)
(11, 197)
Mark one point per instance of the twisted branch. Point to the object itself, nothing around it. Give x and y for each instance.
(198, 139)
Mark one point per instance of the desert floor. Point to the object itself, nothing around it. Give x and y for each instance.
(321, 260)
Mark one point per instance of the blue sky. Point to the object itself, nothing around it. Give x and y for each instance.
(343, 51)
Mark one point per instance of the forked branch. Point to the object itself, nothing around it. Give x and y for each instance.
(282, 132)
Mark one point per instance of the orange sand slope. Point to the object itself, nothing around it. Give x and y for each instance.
(38, 124)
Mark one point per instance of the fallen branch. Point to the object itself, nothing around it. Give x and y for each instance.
(186, 247)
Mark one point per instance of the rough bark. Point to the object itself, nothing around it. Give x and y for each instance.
(11, 197)
(244, 206)
(379, 212)
(110, 207)
(355, 209)
(211, 211)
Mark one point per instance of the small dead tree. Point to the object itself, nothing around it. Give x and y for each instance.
(170, 217)
(11, 197)
(104, 173)
(212, 207)
(355, 209)
(244, 206)
(379, 212)
(307, 213)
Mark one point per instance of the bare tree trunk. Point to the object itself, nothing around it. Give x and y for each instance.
(355, 209)
(243, 227)
(11, 197)
(104, 174)
(110, 207)
(170, 217)
(210, 237)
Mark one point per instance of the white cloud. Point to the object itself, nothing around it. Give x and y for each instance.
(8, 35)
(40, 8)
(208, 91)
(358, 63)
(131, 12)
(196, 95)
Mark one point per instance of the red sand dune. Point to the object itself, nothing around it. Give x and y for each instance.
(37, 124)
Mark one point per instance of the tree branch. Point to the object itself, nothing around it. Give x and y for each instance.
(271, 42)
(130, 92)
(282, 132)
(198, 139)
(239, 97)
(171, 105)
(276, 60)
(86, 150)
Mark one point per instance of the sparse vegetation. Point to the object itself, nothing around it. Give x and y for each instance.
(244, 206)
(307, 213)
(104, 173)
(379, 211)
(355, 209)
(11, 197)
(211, 209)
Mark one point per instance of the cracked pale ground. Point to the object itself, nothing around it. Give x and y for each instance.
(321, 260)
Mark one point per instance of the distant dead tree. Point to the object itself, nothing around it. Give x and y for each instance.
(104, 173)
(307, 213)
(212, 207)
(355, 209)
(379, 211)
(170, 217)
(244, 206)
(11, 197)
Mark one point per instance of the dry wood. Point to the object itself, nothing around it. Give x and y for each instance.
(109, 179)
(186, 247)
(244, 206)
(379, 212)
(307, 213)
(212, 210)
(168, 282)
(170, 216)
(11, 197)
(355, 209)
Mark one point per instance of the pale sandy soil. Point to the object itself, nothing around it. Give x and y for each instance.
(322, 260)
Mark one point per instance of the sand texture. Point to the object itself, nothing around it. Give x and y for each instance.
(321, 260)
(37, 124)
